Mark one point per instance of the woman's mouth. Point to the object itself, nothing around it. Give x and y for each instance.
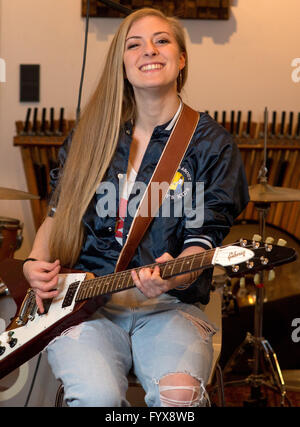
(151, 67)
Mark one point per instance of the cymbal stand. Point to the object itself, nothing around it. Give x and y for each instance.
(260, 345)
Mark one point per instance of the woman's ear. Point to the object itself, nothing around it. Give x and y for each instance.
(182, 59)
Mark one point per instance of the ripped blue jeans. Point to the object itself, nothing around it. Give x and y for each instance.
(94, 358)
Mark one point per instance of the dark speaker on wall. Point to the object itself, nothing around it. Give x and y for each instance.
(29, 83)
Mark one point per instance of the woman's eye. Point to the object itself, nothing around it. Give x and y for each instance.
(162, 41)
(131, 46)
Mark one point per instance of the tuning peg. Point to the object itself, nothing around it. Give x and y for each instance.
(268, 246)
(271, 275)
(256, 279)
(255, 241)
(250, 264)
(264, 260)
(269, 240)
(281, 242)
(243, 242)
(242, 283)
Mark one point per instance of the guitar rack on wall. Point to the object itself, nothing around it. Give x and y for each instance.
(39, 142)
(283, 156)
(184, 9)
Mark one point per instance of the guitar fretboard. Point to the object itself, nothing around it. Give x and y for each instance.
(116, 282)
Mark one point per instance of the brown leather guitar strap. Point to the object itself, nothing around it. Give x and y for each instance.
(164, 172)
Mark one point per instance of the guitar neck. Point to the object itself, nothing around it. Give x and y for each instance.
(120, 281)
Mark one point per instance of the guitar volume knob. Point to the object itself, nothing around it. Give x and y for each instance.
(12, 342)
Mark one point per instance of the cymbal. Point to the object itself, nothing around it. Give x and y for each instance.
(264, 192)
(11, 194)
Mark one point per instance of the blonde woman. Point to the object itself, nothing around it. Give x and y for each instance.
(157, 328)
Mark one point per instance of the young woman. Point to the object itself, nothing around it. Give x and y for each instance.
(158, 328)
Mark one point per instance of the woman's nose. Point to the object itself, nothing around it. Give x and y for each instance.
(150, 49)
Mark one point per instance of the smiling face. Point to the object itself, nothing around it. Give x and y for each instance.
(152, 58)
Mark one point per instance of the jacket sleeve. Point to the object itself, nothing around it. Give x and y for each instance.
(219, 169)
(220, 193)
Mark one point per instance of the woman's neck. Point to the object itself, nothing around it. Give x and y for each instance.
(154, 110)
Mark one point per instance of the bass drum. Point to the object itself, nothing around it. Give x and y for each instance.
(10, 236)
(14, 388)
(286, 281)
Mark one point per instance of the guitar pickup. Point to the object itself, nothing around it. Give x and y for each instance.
(70, 294)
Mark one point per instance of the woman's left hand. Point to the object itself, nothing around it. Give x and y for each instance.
(149, 281)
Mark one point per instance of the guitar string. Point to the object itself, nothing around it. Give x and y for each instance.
(96, 284)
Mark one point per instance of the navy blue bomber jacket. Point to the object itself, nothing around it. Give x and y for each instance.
(213, 159)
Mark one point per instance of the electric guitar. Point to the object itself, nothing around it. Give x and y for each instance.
(80, 294)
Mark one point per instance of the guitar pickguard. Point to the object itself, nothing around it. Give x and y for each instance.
(15, 338)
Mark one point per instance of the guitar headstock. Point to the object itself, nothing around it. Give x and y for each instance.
(266, 256)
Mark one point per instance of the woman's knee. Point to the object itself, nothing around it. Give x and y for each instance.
(181, 389)
(95, 395)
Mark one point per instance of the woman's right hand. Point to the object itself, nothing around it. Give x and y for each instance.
(42, 276)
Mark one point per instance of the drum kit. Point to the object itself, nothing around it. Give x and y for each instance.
(10, 228)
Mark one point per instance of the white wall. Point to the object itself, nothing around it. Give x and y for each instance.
(243, 63)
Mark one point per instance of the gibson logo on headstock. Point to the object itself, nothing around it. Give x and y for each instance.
(235, 254)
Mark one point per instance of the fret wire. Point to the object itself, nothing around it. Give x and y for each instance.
(186, 262)
(173, 265)
(182, 263)
(129, 280)
(84, 293)
(105, 284)
(79, 292)
(193, 259)
(116, 282)
(97, 288)
(121, 282)
(89, 291)
(203, 258)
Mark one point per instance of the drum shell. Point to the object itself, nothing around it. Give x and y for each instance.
(10, 236)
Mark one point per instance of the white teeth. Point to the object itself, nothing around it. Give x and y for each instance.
(151, 67)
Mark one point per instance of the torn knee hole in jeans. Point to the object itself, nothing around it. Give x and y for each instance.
(187, 395)
(205, 329)
(72, 332)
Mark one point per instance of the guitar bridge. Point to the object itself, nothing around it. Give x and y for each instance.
(27, 308)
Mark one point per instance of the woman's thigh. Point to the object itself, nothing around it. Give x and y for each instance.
(172, 340)
(92, 360)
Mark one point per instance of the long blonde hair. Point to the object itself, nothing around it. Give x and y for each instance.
(95, 139)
